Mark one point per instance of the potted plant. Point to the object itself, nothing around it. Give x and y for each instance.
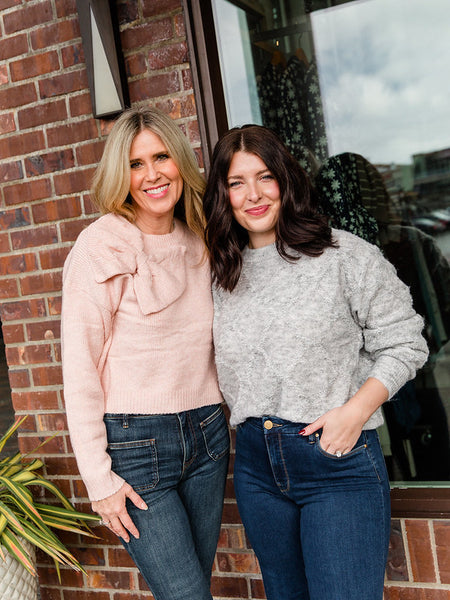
(26, 523)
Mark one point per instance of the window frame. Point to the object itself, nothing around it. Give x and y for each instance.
(406, 502)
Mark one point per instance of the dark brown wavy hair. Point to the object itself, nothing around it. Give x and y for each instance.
(301, 229)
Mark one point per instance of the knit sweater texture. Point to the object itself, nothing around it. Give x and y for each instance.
(296, 339)
(136, 334)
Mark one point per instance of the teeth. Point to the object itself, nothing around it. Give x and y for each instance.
(157, 190)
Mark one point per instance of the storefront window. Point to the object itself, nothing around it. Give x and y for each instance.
(6, 409)
(358, 91)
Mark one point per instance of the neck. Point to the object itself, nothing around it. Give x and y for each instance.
(259, 240)
(155, 226)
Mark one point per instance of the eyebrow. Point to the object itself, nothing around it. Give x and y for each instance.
(258, 173)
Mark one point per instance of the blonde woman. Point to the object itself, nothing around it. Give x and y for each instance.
(142, 399)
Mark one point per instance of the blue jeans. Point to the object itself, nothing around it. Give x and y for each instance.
(318, 524)
(178, 464)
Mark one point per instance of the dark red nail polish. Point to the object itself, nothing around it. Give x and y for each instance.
(301, 432)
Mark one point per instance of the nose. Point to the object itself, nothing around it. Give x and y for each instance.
(253, 193)
(151, 173)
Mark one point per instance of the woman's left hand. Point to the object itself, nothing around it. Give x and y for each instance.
(342, 426)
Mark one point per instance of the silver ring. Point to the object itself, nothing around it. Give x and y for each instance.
(338, 454)
(106, 523)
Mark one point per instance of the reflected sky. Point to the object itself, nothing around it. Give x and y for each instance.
(383, 67)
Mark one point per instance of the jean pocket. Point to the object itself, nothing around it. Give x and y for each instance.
(137, 462)
(215, 434)
(358, 447)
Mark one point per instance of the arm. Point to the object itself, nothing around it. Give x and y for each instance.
(381, 305)
(86, 328)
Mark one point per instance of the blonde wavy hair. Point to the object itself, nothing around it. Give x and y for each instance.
(111, 182)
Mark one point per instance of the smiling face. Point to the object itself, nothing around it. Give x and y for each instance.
(155, 183)
(254, 197)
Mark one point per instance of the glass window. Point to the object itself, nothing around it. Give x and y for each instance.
(358, 91)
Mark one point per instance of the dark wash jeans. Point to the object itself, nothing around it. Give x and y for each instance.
(319, 524)
(178, 464)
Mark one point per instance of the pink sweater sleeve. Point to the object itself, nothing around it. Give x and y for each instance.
(86, 328)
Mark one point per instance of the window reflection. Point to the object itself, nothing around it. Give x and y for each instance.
(357, 90)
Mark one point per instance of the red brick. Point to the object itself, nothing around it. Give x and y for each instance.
(4, 243)
(89, 206)
(13, 333)
(152, 87)
(9, 3)
(70, 230)
(22, 143)
(148, 34)
(231, 514)
(4, 76)
(80, 595)
(8, 288)
(54, 307)
(442, 538)
(186, 75)
(18, 95)
(178, 107)
(7, 123)
(12, 219)
(167, 56)
(110, 579)
(91, 556)
(152, 8)
(229, 587)
(27, 17)
(13, 46)
(53, 257)
(51, 422)
(42, 283)
(257, 587)
(55, 33)
(63, 135)
(38, 236)
(72, 55)
(11, 171)
(45, 376)
(180, 25)
(48, 593)
(73, 181)
(29, 354)
(26, 401)
(421, 555)
(80, 105)
(55, 210)
(19, 378)
(43, 330)
(141, 595)
(23, 194)
(237, 562)
(22, 309)
(193, 132)
(91, 153)
(135, 65)
(398, 593)
(119, 557)
(232, 537)
(69, 578)
(59, 465)
(60, 85)
(49, 162)
(127, 11)
(53, 445)
(66, 8)
(42, 114)
(34, 66)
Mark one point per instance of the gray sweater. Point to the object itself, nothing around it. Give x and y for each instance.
(295, 339)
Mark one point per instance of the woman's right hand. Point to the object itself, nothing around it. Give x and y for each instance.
(114, 513)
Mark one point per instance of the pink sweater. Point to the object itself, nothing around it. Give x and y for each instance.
(136, 334)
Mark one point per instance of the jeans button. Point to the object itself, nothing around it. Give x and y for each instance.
(268, 424)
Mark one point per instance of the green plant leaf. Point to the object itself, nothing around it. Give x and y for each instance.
(5, 437)
(15, 548)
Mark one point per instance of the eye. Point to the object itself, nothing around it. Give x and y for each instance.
(267, 177)
(162, 156)
(135, 164)
(234, 184)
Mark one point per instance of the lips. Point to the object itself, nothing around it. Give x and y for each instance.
(257, 210)
(158, 191)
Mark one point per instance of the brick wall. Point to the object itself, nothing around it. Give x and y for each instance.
(49, 145)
